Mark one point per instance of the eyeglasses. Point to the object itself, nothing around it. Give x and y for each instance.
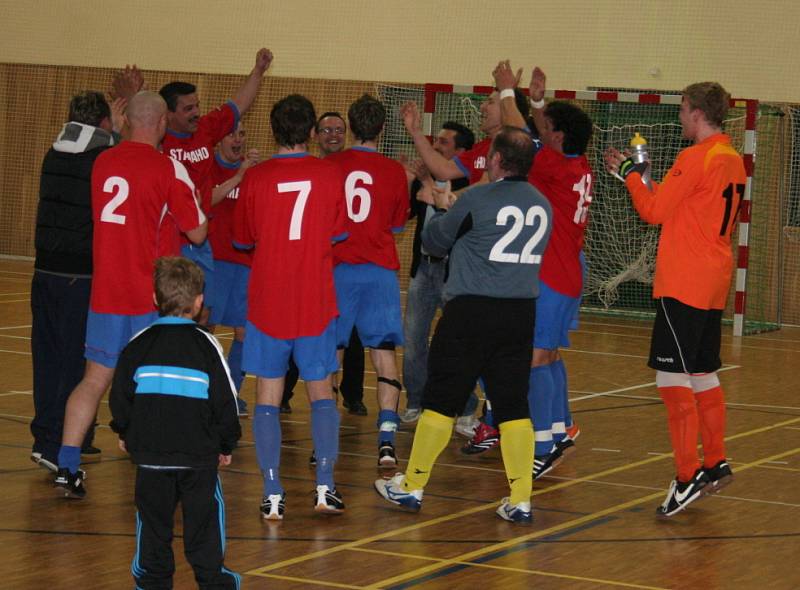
(331, 131)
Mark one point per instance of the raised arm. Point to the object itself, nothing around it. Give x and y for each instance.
(246, 94)
(439, 166)
(536, 93)
(218, 193)
(506, 79)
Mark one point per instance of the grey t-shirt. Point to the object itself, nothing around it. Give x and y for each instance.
(496, 234)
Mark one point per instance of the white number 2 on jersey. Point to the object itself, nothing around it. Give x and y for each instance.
(584, 189)
(303, 189)
(108, 214)
(351, 191)
(499, 254)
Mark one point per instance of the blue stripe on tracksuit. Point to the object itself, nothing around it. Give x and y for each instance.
(136, 569)
(167, 380)
(221, 508)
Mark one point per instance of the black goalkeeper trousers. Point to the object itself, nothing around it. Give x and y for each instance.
(199, 492)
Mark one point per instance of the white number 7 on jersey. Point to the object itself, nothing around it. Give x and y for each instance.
(303, 189)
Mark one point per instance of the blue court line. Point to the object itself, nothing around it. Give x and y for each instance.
(501, 553)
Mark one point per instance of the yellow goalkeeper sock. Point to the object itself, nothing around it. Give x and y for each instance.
(516, 446)
(433, 433)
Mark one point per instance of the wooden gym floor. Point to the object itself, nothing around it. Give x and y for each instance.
(594, 523)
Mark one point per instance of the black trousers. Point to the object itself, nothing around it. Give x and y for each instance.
(352, 385)
(199, 491)
(59, 307)
(482, 337)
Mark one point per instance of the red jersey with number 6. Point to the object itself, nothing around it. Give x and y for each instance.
(141, 199)
(291, 209)
(566, 181)
(376, 190)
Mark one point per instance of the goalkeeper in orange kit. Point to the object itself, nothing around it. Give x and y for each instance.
(696, 205)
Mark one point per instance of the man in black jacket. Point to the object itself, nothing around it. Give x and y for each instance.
(63, 269)
(174, 407)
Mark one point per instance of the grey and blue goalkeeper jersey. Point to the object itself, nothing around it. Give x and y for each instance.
(495, 234)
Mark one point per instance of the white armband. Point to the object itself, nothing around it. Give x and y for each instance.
(537, 104)
(507, 93)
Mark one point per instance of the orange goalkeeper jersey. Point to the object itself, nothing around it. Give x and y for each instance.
(696, 205)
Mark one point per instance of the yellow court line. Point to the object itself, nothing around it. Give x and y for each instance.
(469, 511)
(512, 569)
(466, 557)
(313, 582)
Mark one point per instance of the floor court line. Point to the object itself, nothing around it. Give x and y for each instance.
(466, 557)
(470, 511)
(15, 327)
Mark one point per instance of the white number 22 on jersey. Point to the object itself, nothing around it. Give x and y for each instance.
(108, 214)
(499, 254)
(351, 191)
(584, 189)
(303, 189)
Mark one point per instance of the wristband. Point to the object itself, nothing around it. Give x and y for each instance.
(507, 93)
(537, 104)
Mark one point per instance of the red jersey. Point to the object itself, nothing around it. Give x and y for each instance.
(196, 150)
(220, 219)
(376, 190)
(473, 162)
(291, 208)
(566, 181)
(696, 205)
(140, 200)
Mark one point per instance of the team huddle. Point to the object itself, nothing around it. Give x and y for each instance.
(297, 254)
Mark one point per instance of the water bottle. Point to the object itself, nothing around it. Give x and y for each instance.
(639, 155)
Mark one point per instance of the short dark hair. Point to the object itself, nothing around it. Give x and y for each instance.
(366, 117)
(464, 137)
(89, 107)
(327, 114)
(172, 91)
(711, 99)
(573, 122)
(515, 148)
(178, 281)
(292, 119)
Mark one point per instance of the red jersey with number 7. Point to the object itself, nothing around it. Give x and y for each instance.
(376, 190)
(291, 209)
(696, 205)
(566, 181)
(141, 199)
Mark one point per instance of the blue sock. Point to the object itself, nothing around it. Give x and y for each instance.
(267, 434)
(235, 363)
(325, 432)
(560, 368)
(540, 403)
(560, 401)
(69, 457)
(387, 425)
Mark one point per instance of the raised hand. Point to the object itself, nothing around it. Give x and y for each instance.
(118, 113)
(127, 82)
(252, 158)
(504, 76)
(409, 112)
(537, 86)
(263, 60)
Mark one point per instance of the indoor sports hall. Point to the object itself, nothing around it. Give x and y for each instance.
(625, 64)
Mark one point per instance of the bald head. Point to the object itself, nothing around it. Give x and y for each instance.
(511, 153)
(145, 109)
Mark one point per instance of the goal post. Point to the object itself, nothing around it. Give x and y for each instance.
(620, 248)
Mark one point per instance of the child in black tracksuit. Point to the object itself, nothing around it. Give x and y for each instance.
(174, 408)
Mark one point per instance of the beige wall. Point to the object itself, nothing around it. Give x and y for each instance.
(751, 47)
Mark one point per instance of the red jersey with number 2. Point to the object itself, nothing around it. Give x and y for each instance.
(141, 199)
(376, 189)
(566, 181)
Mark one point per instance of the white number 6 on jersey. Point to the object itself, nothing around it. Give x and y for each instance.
(351, 191)
(108, 214)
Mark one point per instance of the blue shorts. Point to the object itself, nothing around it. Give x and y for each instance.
(108, 333)
(555, 314)
(268, 357)
(574, 324)
(228, 290)
(203, 257)
(368, 297)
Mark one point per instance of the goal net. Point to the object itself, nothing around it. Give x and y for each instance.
(620, 248)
